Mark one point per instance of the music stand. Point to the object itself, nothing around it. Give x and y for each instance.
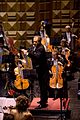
(31, 75)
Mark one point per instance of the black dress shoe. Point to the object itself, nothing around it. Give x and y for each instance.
(41, 106)
(40, 102)
(44, 105)
(55, 98)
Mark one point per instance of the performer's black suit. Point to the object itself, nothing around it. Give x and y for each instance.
(72, 42)
(39, 61)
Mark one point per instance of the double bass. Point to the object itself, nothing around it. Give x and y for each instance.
(10, 43)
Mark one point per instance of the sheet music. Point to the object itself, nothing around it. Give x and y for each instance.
(1, 109)
(2, 101)
(7, 102)
(10, 102)
(1, 116)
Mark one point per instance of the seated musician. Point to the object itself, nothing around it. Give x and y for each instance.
(26, 61)
(65, 53)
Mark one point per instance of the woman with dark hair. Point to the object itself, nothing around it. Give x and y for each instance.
(21, 111)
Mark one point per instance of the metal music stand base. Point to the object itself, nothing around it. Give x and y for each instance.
(62, 115)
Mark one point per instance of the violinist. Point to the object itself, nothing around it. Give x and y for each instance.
(4, 66)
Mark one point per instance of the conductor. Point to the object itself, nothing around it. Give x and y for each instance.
(38, 55)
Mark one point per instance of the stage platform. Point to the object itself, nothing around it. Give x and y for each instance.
(55, 107)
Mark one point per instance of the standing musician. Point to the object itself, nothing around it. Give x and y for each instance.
(1, 31)
(38, 55)
(67, 35)
(70, 37)
(2, 34)
(4, 66)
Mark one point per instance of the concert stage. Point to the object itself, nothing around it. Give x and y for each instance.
(55, 108)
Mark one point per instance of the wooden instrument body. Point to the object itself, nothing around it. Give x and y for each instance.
(56, 81)
(47, 45)
(67, 54)
(20, 83)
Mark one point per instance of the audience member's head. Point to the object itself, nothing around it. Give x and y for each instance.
(22, 103)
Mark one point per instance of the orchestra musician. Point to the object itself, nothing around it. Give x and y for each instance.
(70, 37)
(1, 31)
(56, 80)
(4, 66)
(3, 35)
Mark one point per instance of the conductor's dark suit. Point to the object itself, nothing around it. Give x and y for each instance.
(39, 61)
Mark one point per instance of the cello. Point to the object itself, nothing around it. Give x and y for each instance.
(56, 81)
(20, 83)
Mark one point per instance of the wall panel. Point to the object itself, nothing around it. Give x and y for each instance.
(21, 18)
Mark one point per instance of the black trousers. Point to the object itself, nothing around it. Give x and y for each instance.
(44, 83)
